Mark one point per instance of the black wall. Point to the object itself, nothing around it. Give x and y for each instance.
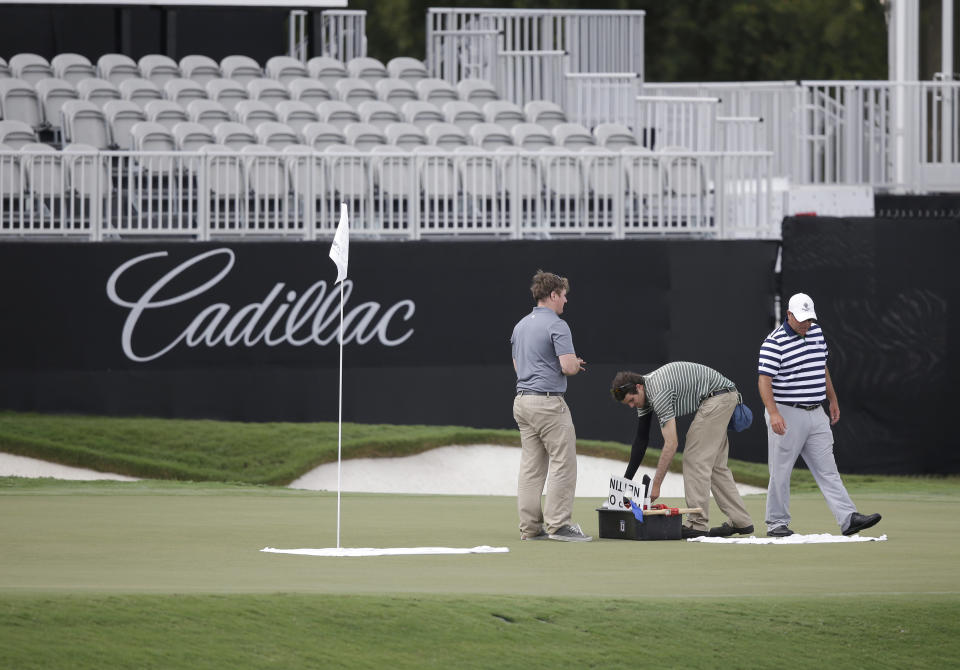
(633, 305)
(887, 293)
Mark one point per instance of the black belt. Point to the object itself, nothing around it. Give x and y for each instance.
(721, 392)
(799, 405)
(546, 393)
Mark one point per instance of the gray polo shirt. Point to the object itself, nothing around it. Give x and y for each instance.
(538, 340)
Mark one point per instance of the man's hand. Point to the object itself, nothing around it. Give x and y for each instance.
(778, 424)
(654, 492)
(834, 412)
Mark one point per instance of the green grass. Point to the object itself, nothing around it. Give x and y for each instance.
(278, 453)
(169, 573)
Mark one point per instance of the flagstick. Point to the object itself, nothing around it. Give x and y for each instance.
(340, 419)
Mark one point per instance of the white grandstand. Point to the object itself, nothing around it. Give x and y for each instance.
(518, 123)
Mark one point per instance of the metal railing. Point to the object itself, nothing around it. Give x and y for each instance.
(689, 123)
(463, 54)
(602, 97)
(596, 41)
(343, 33)
(532, 75)
(296, 193)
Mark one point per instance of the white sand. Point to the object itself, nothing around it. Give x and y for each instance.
(470, 470)
(463, 470)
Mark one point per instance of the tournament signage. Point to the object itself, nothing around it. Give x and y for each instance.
(249, 330)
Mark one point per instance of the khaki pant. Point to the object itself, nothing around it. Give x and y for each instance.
(548, 445)
(705, 464)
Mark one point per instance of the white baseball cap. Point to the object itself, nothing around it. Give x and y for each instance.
(802, 307)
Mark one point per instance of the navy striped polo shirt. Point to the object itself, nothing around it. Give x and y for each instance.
(797, 364)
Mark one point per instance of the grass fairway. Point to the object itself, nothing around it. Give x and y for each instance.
(169, 575)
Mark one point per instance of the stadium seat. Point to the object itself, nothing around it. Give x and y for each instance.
(139, 90)
(117, 68)
(396, 91)
(437, 91)
(408, 69)
(328, 70)
(614, 136)
(521, 175)
(573, 136)
(503, 112)
(545, 113)
(646, 181)
(84, 123)
(321, 135)
(53, 93)
(154, 137)
(603, 172)
(225, 186)
(72, 67)
(158, 68)
(369, 69)
(184, 91)
(123, 115)
(227, 92)
(296, 114)
(478, 173)
(394, 174)
(31, 68)
(354, 91)
(19, 102)
(4, 69)
(97, 91)
(531, 136)
(477, 91)
(266, 181)
(252, 113)
(379, 113)
(405, 135)
(240, 68)
(463, 114)
(439, 181)
(191, 136)
(421, 113)
(685, 175)
(16, 134)
(307, 176)
(363, 136)
(165, 112)
(234, 135)
(208, 113)
(276, 135)
(43, 167)
(200, 69)
(285, 69)
(338, 113)
(349, 177)
(87, 176)
(309, 91)
(446, 135)
(491, 136)
(268, 91)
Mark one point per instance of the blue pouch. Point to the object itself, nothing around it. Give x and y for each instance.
(741, 418)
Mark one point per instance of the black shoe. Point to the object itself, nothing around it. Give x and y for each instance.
(686, 532)
(726, 530)
(860, 522)
(780, 531)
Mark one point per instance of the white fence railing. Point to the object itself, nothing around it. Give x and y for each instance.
(343, 33)
(220, 193)
(532, 75)
(596, 41)
(603, 97)
(895, 136)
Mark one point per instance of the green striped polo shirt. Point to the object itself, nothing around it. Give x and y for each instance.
(677, 389)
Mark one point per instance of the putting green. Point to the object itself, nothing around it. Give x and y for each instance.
(134, 538)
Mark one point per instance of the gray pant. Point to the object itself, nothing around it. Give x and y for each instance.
(548, 444)
(808, 434)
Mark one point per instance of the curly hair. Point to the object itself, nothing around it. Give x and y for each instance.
(545, 283)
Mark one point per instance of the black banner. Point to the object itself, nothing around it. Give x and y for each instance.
(248, 331)
(888, 298)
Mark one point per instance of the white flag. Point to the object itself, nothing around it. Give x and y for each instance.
(340, 249)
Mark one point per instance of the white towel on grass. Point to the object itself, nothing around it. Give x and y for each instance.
(796, 538)
(390, 551)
